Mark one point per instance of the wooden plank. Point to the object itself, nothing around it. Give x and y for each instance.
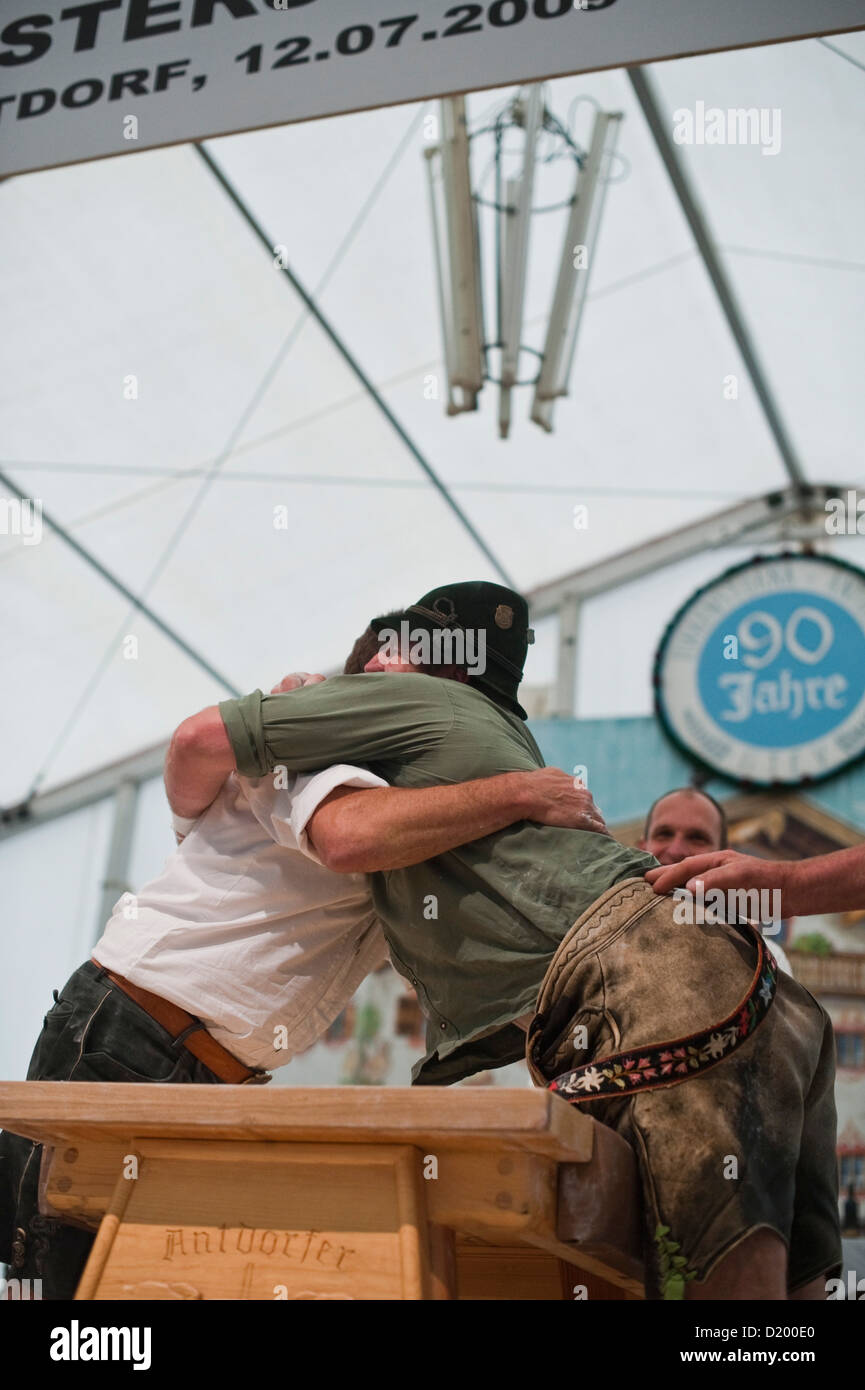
(501, 1152)
(605, 1265)
(415, 1280)
(77, 1181)
(443, 1264)
(488, 1272)
(511, 1192)
(247, 1221)
(508, 1190)
(502, 1200)
(104, 1242)
(505, 1198)
(62, 1113)
(513, 1201)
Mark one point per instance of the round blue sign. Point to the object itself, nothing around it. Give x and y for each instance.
(761, 675)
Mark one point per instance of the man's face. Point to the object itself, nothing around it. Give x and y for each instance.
(682, 824)
(399, 665)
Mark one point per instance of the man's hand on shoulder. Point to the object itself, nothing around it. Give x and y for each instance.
(296, 681)
(554, 797)
(724, 869)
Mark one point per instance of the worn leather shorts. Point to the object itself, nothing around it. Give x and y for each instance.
(746, 1145)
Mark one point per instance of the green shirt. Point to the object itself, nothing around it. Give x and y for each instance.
(475, 929)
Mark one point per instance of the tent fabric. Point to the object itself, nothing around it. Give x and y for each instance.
(140, 267)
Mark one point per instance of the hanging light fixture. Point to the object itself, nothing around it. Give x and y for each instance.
(569, 297)
(459, 259)
(458, 264)
(514, 215)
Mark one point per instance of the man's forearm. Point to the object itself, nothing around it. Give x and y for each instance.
(394, 827)
(199, 759)
(827, 883)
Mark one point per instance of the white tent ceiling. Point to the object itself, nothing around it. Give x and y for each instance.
(141, 266)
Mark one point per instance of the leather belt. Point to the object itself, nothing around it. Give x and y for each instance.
(185, 1028)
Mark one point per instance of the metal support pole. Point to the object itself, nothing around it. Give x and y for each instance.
(759, 520)
(354, 366)
(116, 583)
(645, 94)
(116, 882)
(565, 706)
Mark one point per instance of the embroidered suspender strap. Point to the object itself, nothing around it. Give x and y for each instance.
(670, 1063)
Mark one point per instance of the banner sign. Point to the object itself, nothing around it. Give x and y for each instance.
(761, 675)
(92, 78)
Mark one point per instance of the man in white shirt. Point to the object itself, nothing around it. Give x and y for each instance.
(244, 928)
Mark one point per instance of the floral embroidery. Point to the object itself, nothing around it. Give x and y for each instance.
(669, 1063)
(672, 1266)
(591, 1080)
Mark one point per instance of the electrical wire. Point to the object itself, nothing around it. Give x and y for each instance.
(181, 473)
(347, 480)
(796, 258)
(260, 441)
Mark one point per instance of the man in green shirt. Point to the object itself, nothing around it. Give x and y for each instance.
(558, 927)
(474, 929)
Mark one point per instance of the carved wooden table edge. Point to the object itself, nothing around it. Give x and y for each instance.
(573, 1181)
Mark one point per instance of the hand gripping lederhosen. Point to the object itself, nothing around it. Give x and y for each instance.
(716, 1067)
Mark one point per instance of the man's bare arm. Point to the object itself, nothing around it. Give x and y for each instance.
(199, 759)
(826, 883)
(200, 755)
(356, 831)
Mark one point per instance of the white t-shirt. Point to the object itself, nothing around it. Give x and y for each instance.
(245, 928)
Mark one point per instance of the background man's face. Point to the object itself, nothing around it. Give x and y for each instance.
(682, 824)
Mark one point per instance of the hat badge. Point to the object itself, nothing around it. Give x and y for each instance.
(504, 616)
(446, 609)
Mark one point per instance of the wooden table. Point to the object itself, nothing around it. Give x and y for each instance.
(247, 1192)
